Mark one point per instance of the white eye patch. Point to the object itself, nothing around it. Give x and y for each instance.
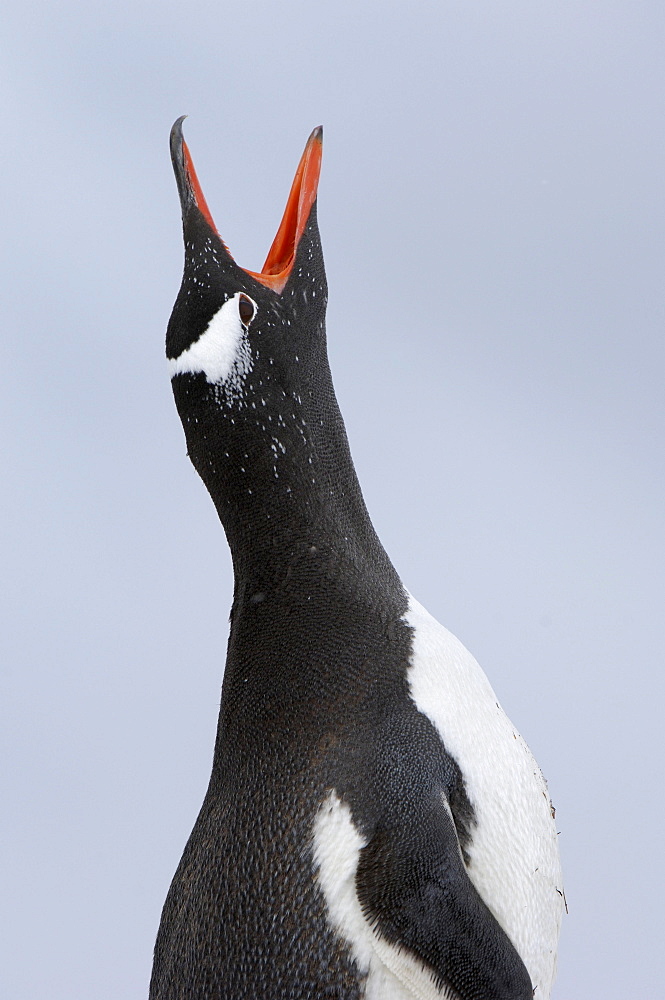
(222, 349)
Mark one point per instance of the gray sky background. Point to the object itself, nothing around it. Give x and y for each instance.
(491, 207)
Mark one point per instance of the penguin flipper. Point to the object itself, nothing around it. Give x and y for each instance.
(431, 927)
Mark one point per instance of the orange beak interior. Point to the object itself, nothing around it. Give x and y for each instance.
(279, 262)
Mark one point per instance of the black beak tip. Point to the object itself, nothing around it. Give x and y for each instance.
(176, 131)
(178, 158)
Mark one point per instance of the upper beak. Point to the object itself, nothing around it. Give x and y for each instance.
(279, 262)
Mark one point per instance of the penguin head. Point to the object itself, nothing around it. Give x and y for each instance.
(246, 350)
(223, 310)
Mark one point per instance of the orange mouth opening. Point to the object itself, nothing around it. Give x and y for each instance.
(279, 262)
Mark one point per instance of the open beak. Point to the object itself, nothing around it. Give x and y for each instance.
(279, 262)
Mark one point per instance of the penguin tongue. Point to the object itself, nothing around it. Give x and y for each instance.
(279, 262)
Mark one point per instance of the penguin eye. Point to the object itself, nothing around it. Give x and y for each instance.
(246, 310)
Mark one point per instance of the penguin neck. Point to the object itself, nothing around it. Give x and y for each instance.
(308, 565)
(300, 518)
(307, 562)
(287, 495)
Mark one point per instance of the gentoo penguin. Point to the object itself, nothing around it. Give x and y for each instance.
(374, 826)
